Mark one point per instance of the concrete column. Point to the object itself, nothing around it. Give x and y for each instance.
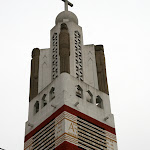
(34, 73)
(64, 49)
(101, 69)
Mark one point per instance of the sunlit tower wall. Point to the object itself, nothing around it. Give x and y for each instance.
(69, 106)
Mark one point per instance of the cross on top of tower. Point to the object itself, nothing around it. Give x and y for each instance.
(66, 4)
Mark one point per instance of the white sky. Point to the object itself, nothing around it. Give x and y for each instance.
(122, 26)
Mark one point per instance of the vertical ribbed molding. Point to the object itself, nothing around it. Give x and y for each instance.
(54, 56)
(78, 56)
(34, 73)
(64, 49)
(101, 69)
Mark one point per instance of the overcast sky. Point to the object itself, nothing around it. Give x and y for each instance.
(122, 26)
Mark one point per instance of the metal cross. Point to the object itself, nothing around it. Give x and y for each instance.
(66, 4)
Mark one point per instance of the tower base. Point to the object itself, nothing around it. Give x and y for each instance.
(68, 129)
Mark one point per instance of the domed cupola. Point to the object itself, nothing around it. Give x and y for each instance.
(66, 15)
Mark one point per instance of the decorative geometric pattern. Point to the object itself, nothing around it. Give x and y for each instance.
(90, 136)
(28, 144)
(78, 56)
(45, 138)
(54, 56)
(73, 129)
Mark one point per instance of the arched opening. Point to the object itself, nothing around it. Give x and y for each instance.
(79, 91)
(99, 102)
(89, 97)
(36, 107)
(52, 94)
(44, 102)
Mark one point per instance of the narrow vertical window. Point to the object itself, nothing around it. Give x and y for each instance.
(99, 102)
(89, 97)
(36, 107)
(44, 102)
(79, 91)
(52, 94)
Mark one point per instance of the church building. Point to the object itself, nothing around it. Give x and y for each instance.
(69, 105)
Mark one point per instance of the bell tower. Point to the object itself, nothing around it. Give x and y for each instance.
(69, 105)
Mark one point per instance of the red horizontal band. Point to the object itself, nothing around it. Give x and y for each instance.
(74, 112)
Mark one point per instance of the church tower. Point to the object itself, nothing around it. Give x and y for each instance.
(69, 106)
